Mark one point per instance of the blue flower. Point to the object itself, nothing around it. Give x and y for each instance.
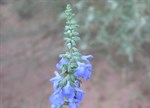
(73, 105)
(83, 70)
(61, 62)
(77, 83)
(68, 91)
(56, 80)
(57, 98)
(73, 66)
(86, 58)
(55, 106)
(79, 95)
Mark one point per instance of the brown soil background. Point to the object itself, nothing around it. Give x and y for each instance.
(27, 62)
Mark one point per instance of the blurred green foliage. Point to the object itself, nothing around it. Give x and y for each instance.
(25, 8)
(119, 26)
(123, 24)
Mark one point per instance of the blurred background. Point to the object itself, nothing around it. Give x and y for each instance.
(115, 32)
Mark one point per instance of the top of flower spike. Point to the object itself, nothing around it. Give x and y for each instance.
(70, 27)
(68, 11)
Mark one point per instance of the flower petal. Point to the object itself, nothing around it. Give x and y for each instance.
(68, 91)
(56, 98)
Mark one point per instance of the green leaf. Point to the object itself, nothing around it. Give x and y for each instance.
(73, 65)
(75, 49)
(65, 68)
(69, 68)
(72, 78)
(67, 39)
(76, 38)
(62, 83)
(73, 42)
(69, 45)
(77, 55)
(72, 84)
(75, 33)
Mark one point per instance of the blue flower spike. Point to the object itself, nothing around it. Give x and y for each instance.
(72, 66)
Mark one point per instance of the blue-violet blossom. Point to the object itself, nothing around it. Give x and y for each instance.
(73, 66)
